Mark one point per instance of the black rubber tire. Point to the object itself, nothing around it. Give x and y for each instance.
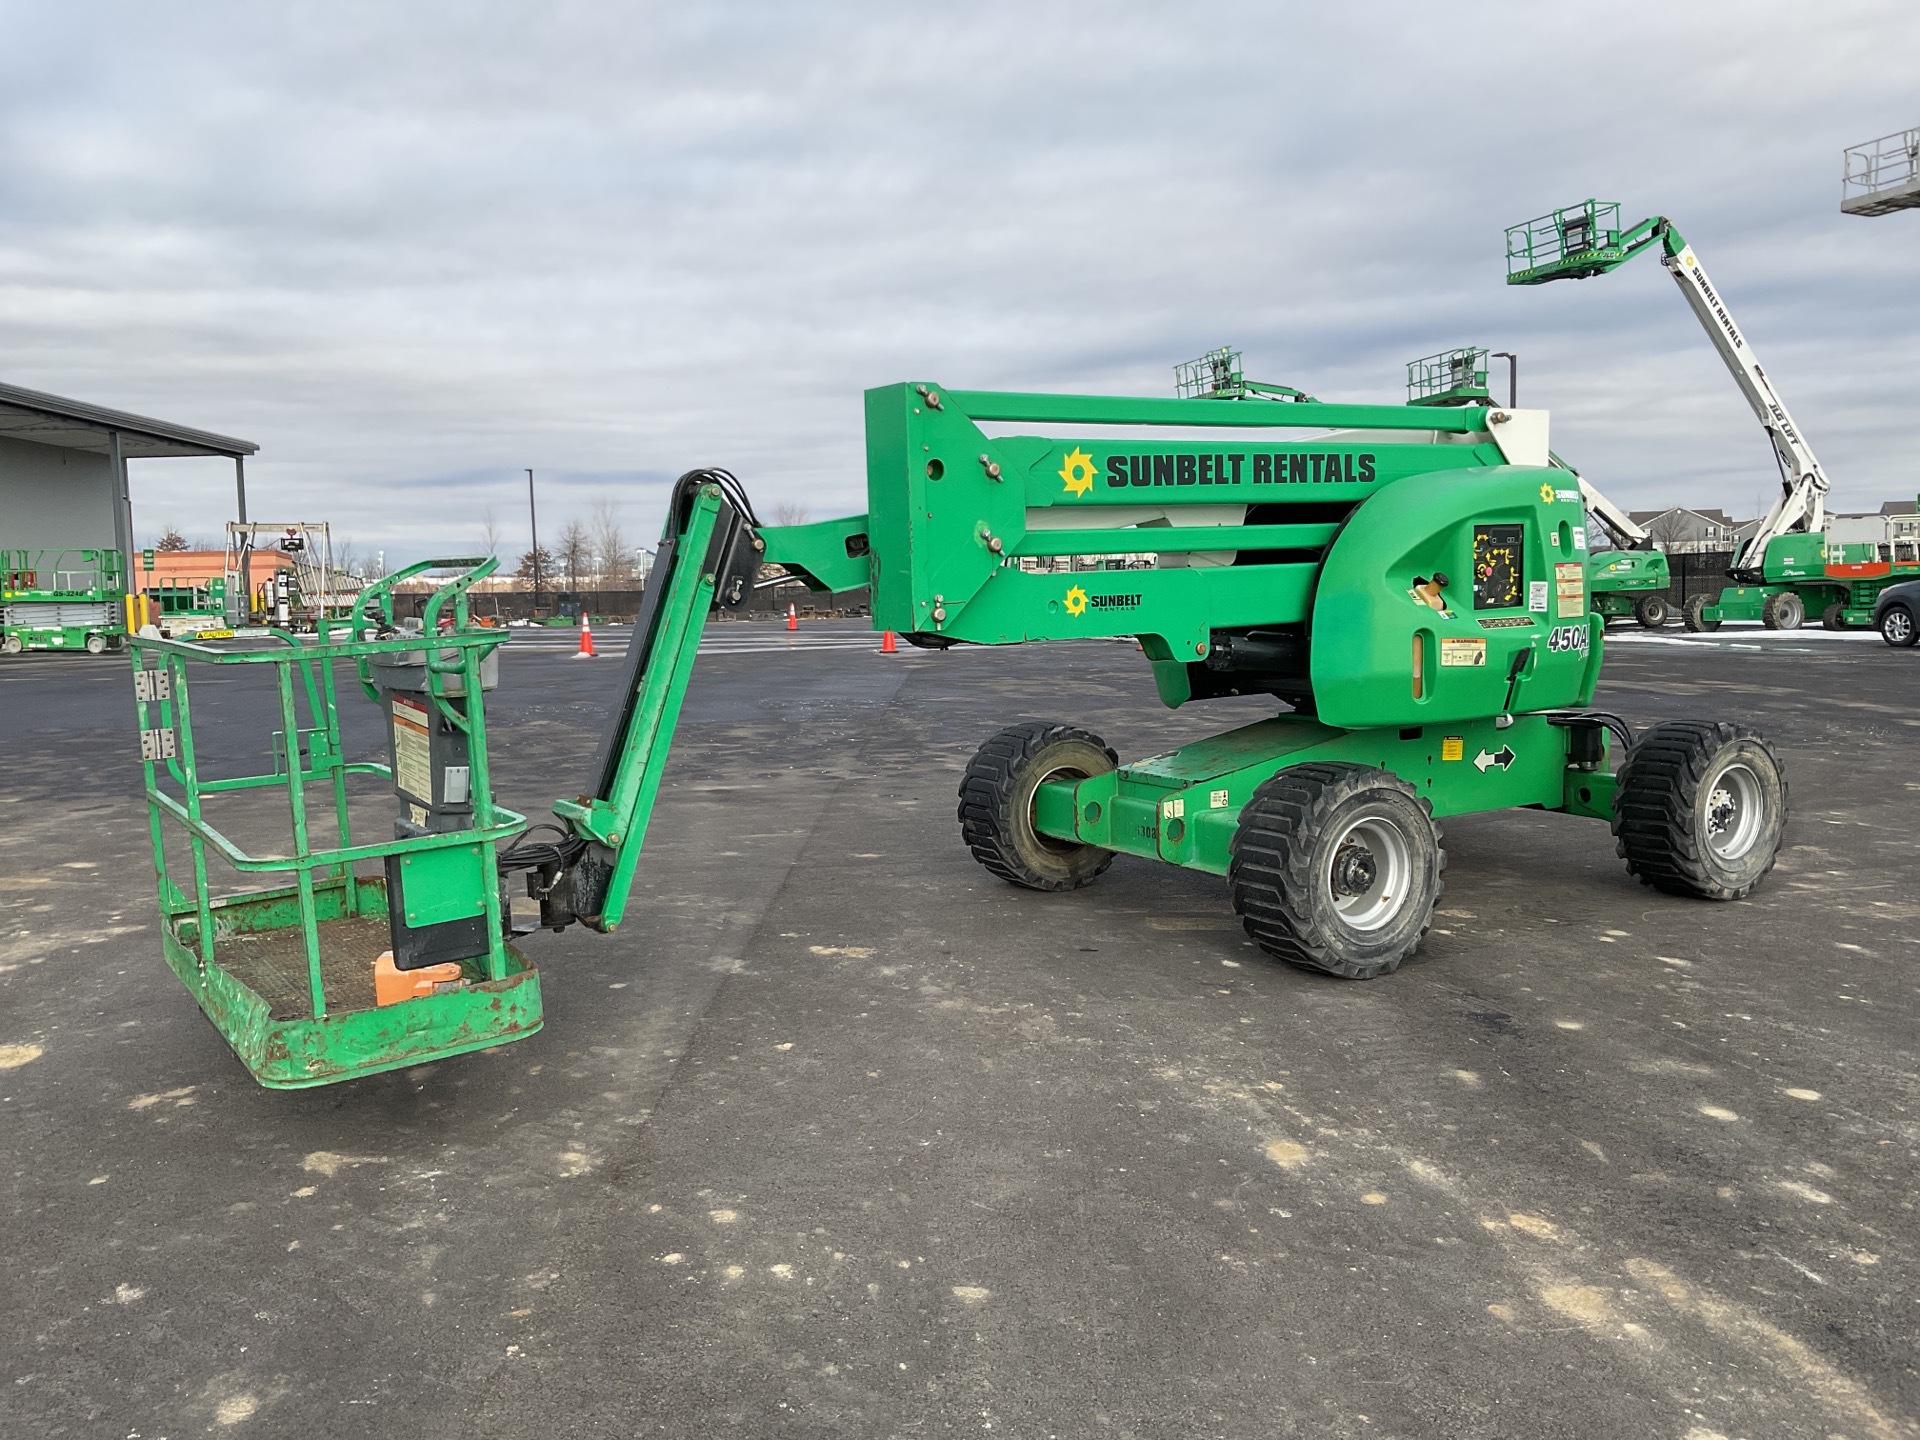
(1671, 801)
(1834, 617)
(1897, 627)
(1651, 611)
(996, 804)
(1783, 610)
(1691, 617)
(1283, 855)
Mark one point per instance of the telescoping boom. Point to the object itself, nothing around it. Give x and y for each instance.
(1586, 239)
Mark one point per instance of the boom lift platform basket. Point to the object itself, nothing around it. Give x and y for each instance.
(1881, 176)
(287, 973)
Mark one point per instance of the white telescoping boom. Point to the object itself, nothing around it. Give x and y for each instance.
(1576, 242)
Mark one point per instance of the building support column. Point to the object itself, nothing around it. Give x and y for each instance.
(122, 503)
(240, 485)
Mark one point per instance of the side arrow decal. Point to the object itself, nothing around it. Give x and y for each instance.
(1504, 759)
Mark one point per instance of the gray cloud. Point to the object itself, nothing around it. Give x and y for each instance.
(412, 249)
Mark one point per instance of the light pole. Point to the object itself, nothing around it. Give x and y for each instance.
(533, 521)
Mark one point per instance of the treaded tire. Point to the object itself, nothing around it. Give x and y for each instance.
(1834, 617)
(1285, 857)
(1897, 627)
(1681, 803)
(1783, 611)
(1651, 611)
(996, 804)
(1692, 617)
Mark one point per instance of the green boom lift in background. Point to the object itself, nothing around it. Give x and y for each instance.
(1407, 584)
(1786, 570)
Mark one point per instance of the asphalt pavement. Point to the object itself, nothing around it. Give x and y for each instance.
(841, 1136)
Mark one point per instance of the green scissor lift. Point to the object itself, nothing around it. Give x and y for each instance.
(62, 600)
(1405, 583)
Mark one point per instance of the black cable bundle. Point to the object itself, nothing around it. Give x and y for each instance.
(524, 854)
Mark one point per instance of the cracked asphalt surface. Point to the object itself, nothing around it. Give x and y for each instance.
(842, 1136)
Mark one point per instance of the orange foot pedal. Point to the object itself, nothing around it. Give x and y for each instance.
(391, 984)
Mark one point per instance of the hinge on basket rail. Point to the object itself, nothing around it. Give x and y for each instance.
(152, 685)
(157, 745)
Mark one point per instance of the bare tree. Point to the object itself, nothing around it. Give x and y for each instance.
(347, 559)
(790, 512)
(575, 554)
(1667, 529)
(489, 532)
(613, 559)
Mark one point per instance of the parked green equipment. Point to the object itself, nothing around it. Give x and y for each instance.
(1408, 583)
(62, 600)
(1784, 571)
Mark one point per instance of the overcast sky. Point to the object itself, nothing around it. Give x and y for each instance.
(412, 249)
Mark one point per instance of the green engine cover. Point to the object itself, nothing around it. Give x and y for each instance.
(1509, 629)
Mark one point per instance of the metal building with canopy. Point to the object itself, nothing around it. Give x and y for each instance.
(63, 469)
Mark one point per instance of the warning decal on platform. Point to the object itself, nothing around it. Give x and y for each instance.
(412, 750)
(1455, 652)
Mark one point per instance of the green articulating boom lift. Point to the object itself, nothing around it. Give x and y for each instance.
(1785, 570)
(1407, 583)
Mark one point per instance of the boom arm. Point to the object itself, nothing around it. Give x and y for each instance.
(709, 552)
(1630, 535)
(1580, 247)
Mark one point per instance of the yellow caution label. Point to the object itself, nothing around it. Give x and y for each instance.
(1453, 747)
(1455, 652)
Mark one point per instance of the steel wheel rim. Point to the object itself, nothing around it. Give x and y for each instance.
(1735, 808)
(1376, 842)
(1899, 625)
(1048, 842)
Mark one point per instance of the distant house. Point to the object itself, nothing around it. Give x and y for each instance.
(1903, 518)
(1681, 531)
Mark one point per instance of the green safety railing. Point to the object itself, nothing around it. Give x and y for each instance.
(325, 1042)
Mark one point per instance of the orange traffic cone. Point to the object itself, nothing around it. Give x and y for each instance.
(793, 618)
(888, 646)
(585, 652)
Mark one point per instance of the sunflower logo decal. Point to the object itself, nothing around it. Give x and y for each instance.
(1546, 494)
(1077, 472)
(1076, 597)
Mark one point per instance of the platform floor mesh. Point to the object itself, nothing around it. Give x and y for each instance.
(273, 964)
